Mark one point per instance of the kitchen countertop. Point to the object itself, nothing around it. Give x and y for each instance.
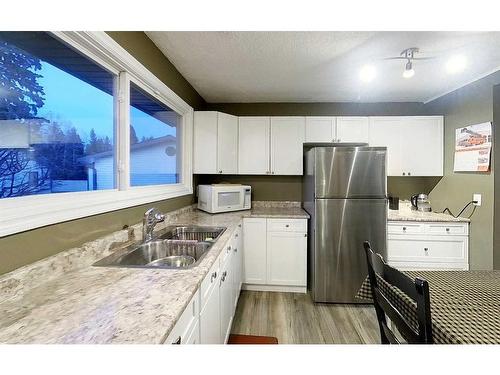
(405, 213)
(100, 305)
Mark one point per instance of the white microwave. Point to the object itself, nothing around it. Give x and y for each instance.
(224, 197)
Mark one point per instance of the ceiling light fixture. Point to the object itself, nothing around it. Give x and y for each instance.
(456, 64)
(409, 71)
(367, 73)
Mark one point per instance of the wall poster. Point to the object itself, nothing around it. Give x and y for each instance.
(473, 148)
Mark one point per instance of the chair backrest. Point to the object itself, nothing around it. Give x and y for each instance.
(391, 303)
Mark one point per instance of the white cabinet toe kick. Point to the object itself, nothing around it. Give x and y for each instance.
(415, 245)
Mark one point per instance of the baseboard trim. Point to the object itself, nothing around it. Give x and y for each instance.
(275, 288)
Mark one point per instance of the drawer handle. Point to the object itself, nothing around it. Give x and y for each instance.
(447, 229)
(426, 249)
(404, 228)
(235, 249)
(177, 342)
(287, 225)
(213, 277)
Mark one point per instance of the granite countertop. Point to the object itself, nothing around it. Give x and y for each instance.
(405, 213)
(101, 305)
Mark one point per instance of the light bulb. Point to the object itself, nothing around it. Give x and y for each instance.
(408, 73)
(367, 73)
(456, 64)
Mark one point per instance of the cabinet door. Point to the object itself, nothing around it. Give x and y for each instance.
(226, 298)
(287, 137)
(386, 132)
(253, 145)
(237, 265)
(353, 129)
(254, 255)
(205, 142)
(210, 319)
(227, 144)
(423, 146)
(286, 258)
(194, 336)
(320, 129)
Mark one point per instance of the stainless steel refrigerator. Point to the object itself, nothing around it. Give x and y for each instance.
(344, 188)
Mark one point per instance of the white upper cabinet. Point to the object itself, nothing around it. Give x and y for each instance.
(253, 145)
(320, 129)
(414, 144)
(205, 142)
(227, 144)
(422, 142)
(287, 137)
(215, 143)
(353, 129)
(386, 132)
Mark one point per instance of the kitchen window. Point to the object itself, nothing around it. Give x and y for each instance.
(56, 111)
(84, 129)
(154, 134)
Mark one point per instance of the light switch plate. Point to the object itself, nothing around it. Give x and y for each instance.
(477, 198)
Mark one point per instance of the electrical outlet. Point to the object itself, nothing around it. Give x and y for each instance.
(476, 198)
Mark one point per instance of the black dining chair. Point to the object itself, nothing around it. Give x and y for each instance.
(390, 303)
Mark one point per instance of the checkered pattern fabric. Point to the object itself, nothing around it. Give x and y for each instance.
(465, 305)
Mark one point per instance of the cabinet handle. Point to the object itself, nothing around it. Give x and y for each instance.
(339, 140)
(305, 235)
(404, 229)
(239, 225)
(236, 235)
(426, 249)
(213, 277)
(287, 225)
(409, 174)
(447, 229)
(272, 172)
(235, 249)
(404, 174)
(177, 342)
(228, 249)
(220, 171)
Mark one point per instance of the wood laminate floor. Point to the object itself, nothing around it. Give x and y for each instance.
(294, 319)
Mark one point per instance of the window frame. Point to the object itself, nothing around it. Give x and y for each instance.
(19, 214)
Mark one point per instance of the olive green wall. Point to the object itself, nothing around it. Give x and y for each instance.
(143, 49)
(27, 247)
(469, 105)
(290, 187)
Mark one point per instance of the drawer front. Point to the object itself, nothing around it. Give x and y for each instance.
(448, 229)
(405, 228)
(286, 225)
(424, 250)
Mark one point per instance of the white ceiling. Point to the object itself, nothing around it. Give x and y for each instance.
(240, 67)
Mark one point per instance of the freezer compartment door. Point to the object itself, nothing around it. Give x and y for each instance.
(350, 172)
(341, 226)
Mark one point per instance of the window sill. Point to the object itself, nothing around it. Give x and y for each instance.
(25, 213)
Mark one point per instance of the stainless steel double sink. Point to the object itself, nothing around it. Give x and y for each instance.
(175, 247)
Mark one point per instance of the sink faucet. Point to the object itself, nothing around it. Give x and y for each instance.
(150, 219)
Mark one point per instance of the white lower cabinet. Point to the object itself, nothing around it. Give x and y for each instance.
(420, 246)
(286, 253)
(209, 315)
(275, 254)
(254, 243)
(226, 298)
(186, 329)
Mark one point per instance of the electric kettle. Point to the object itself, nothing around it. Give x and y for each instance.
(420, 202)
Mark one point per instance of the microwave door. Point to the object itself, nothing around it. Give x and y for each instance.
(229, 200)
